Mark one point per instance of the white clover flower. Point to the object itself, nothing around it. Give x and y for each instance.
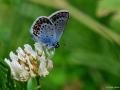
(21, 54)
(38, 48)
(28, 49)
(30, 63)
(13, 56)
(17, 70)
(50, 64)
(42, 67)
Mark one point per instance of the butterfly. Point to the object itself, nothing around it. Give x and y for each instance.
(48, 30)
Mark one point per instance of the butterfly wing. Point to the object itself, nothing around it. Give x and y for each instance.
(59, 19)
(43, 31)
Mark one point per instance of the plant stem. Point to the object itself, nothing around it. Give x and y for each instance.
(38, 83)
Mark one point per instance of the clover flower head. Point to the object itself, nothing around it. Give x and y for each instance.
(29, 62)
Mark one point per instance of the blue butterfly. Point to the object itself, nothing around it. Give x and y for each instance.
(48, 30)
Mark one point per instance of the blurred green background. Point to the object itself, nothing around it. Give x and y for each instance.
(89, 56)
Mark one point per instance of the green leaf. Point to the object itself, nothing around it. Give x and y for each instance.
(97, 61)
(31, 84)
(107, 6)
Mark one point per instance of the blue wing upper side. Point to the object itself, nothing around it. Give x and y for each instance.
(43, 31)
(59, 19)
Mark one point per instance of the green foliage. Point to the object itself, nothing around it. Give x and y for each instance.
(86, 58)
(32, 84)
(107, 7)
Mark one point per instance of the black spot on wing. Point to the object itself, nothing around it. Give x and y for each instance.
(59, 15)
(39, 25)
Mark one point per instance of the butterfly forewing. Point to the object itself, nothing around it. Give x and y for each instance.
(43, 31)
(59, 19)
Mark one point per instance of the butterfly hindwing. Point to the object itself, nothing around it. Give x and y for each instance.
(43, 31)
(59, 19)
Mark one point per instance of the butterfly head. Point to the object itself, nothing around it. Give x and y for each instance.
(57, 45)
(53, 45)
